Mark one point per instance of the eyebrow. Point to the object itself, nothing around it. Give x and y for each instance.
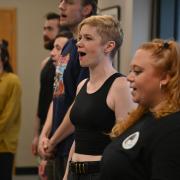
(135, 66)
(80, 34)
(48, 27)
(56, 45)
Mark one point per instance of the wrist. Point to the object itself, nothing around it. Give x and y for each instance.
(42, 135)
(52, 142)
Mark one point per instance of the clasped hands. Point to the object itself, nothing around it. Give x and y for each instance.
(46, 148)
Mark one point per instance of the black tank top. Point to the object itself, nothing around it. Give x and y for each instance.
(93, 119)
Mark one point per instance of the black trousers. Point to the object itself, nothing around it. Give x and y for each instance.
(6, 166)
(60, 164)
(73, 176)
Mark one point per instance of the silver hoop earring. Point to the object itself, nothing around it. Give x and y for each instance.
(160, 86)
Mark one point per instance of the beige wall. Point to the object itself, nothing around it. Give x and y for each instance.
(135, 21)
(126, 22)
(30, 52)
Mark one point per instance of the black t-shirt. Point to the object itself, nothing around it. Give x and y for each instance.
(72, 74)
(150, 150)
(46, 90)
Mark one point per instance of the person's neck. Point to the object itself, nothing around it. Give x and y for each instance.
(74, 31)
(101, 72)
(158, 105)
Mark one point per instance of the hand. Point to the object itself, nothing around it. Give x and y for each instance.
(43, 148)
(42, 170)
(50, 147)
(43, 141)
(50, 150)
(34, 146)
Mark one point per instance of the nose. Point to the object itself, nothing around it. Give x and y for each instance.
(52, 53)
(61, 5)
(79, 43)
(45, 31)
(130, 77)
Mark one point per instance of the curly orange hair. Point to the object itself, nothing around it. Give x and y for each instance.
(166, 57)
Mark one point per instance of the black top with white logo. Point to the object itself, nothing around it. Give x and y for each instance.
(150, 150)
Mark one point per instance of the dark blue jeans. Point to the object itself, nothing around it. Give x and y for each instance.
(73, 176)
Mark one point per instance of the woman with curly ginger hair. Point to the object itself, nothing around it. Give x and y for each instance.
(147, 143)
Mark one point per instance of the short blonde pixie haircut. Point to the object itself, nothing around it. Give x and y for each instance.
(107, 27)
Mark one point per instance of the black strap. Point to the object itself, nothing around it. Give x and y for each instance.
(106, 86)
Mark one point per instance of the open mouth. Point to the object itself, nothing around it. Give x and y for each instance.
(82, 54)
(54, 61)
(133, 89)
(63, 16)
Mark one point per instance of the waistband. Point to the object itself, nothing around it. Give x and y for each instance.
(87, 167)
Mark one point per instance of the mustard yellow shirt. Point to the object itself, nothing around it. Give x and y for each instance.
(10, 110)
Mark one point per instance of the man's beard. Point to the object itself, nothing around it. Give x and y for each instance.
(49, 45)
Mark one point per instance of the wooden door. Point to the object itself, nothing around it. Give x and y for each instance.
(8, 31)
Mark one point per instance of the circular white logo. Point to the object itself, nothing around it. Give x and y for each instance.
(130, 141)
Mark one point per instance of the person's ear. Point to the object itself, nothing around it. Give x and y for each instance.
(109, 46)
(165, 79)
(87, 9)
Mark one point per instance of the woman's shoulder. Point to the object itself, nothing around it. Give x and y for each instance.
(171, 120)
(121, 85)
(120, 81)
(164, 136)
(12, 78)
(162, 127)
